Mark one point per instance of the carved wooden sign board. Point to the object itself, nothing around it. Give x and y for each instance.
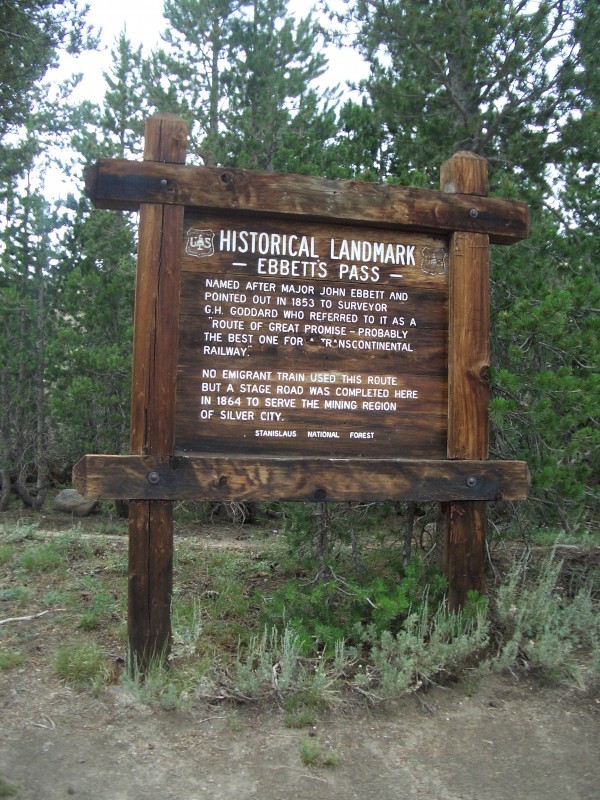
(302, 338)
(299, 338)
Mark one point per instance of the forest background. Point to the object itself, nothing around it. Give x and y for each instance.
(516, 82)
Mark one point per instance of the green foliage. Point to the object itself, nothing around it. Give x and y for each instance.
(15, 594)
(157, 686)
(302, 706)
(542, 628)
(9, 659)
(100, 604)
(187, 624)
(90, 356)
(273, 64)
(32, 33)
(54, 598)
(517, 84)
(7, 789)
(315, 754)
(328, 611)
(449, 76)
(251, 105)
(6, 552)
(359, 147)
(125, 107)
(350, 637)
(200, 32)
(26, 258)
(33, 118)
(546, 390)
(83, 665)
(44, 556)
(428, 644)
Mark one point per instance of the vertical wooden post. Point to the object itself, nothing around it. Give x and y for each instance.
(153, 400)
(468, 372)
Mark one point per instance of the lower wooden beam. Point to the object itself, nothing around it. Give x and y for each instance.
(302, 479)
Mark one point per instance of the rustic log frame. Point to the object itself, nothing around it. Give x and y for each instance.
(468, 379)
(155, 475)
(253, 477)
(153, 401)
(126, 185)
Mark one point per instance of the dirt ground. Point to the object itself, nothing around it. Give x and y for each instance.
(503, 739)
(499, 738)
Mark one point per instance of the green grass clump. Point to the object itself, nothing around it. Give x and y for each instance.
(7, 789)
(100, 604)
(83, 665)
(15, 594)
(299, 718)
(314, 754)
(7, 551)
(44, 557)
(170, 689)
(300, 709)
(9, 659)
(54, 597)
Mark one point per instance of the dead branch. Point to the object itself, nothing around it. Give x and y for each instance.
(30, 617)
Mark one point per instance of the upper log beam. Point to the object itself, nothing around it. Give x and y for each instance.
(121, 184)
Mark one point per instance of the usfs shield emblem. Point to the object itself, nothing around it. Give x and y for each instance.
(200, 243)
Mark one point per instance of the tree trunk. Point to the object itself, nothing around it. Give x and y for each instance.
(322, 515)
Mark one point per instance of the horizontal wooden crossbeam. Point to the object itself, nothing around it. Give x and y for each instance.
(195, 477)
(120, 184)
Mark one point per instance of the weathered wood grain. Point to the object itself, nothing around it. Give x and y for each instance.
(120, 184)
(468, 371)
(205, 477)
(473, 177)
(468, 346)
(434, 450)
(385, 327)
(153, 400)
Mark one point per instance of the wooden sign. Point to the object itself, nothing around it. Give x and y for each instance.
(302, 339)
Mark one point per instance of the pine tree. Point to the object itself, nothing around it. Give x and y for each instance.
(25, 266)
(240, 72)
(125, 106)
(276, 59)
(517, 83)
(33, 33)
(90, 355)
(190, 75)
(459, 75)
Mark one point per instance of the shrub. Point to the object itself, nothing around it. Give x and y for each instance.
(323, 613)
(543, 629)
(426, 646)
